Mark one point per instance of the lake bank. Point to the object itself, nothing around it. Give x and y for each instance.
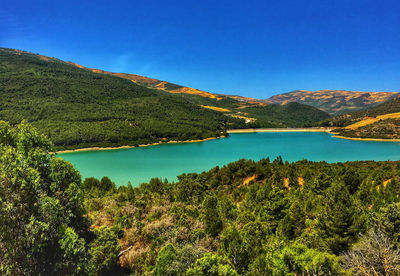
(230, 131)
(251, 130)
(364, 139)
(139, 146)
(168, 160)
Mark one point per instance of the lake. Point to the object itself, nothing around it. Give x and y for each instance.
(139, 165)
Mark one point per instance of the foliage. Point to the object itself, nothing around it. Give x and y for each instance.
(211, 265)
(166, 257)
(43, 229)
(301, 218)
(78, 108)
(293, 218)
(380, 129)
(104, 249)
(297, 259)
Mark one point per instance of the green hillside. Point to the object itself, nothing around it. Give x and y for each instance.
(265, 115)
(288, 115)
(77, 107)
(380, 122)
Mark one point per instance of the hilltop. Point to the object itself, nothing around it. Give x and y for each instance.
(80, 107)
(382, 122)
(334, 102)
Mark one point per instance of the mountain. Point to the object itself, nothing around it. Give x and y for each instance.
(172, 87)
(254, 112)
(81, 107)
(334, 102)
(154, 84)
(382, 121)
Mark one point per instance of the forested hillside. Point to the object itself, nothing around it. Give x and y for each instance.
(382, 121)
(255, 113)
(77, 108)
(258, 218)
(246, 218)
(258, 115)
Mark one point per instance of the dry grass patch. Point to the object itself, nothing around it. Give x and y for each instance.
(220, 109)
(371, 120)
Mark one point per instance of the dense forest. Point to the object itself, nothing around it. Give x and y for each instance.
(268, 217)
(77, 108)
(265, 115)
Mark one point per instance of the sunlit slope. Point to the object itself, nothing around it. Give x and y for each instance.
(382, 121)
(371, 120)
(334, 102)
(251, 112)
(79, 108)
(156, 84)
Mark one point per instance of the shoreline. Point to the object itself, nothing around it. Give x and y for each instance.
(235, 131)
(253, 130)
(365, 139)
(139, 146)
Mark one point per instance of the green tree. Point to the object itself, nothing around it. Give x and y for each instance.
(297, 259)
(104, 250)
(212, 219)
(340, 218)
(165, 260)
(211, 265)
(42, 225)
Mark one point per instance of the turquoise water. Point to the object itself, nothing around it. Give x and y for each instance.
(139, 165)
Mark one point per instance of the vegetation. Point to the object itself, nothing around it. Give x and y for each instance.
(246, 218)
(334, 102)
(302, 218)
(391, 106)
(382, 122)
(288, 115)
(76, 107)
(43, 229)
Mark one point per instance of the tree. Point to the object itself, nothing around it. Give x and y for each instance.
(42, 227)
(340, 218)
(106, 184)
(387, 220)
(166, 258)
(298, 259)
(104, 250)
(375, 254)
(212, 219)
(211, 265)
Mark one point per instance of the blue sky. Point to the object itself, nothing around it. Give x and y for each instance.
(251, 48)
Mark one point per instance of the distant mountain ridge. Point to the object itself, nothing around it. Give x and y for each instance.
(334, 102)
(255, 112)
